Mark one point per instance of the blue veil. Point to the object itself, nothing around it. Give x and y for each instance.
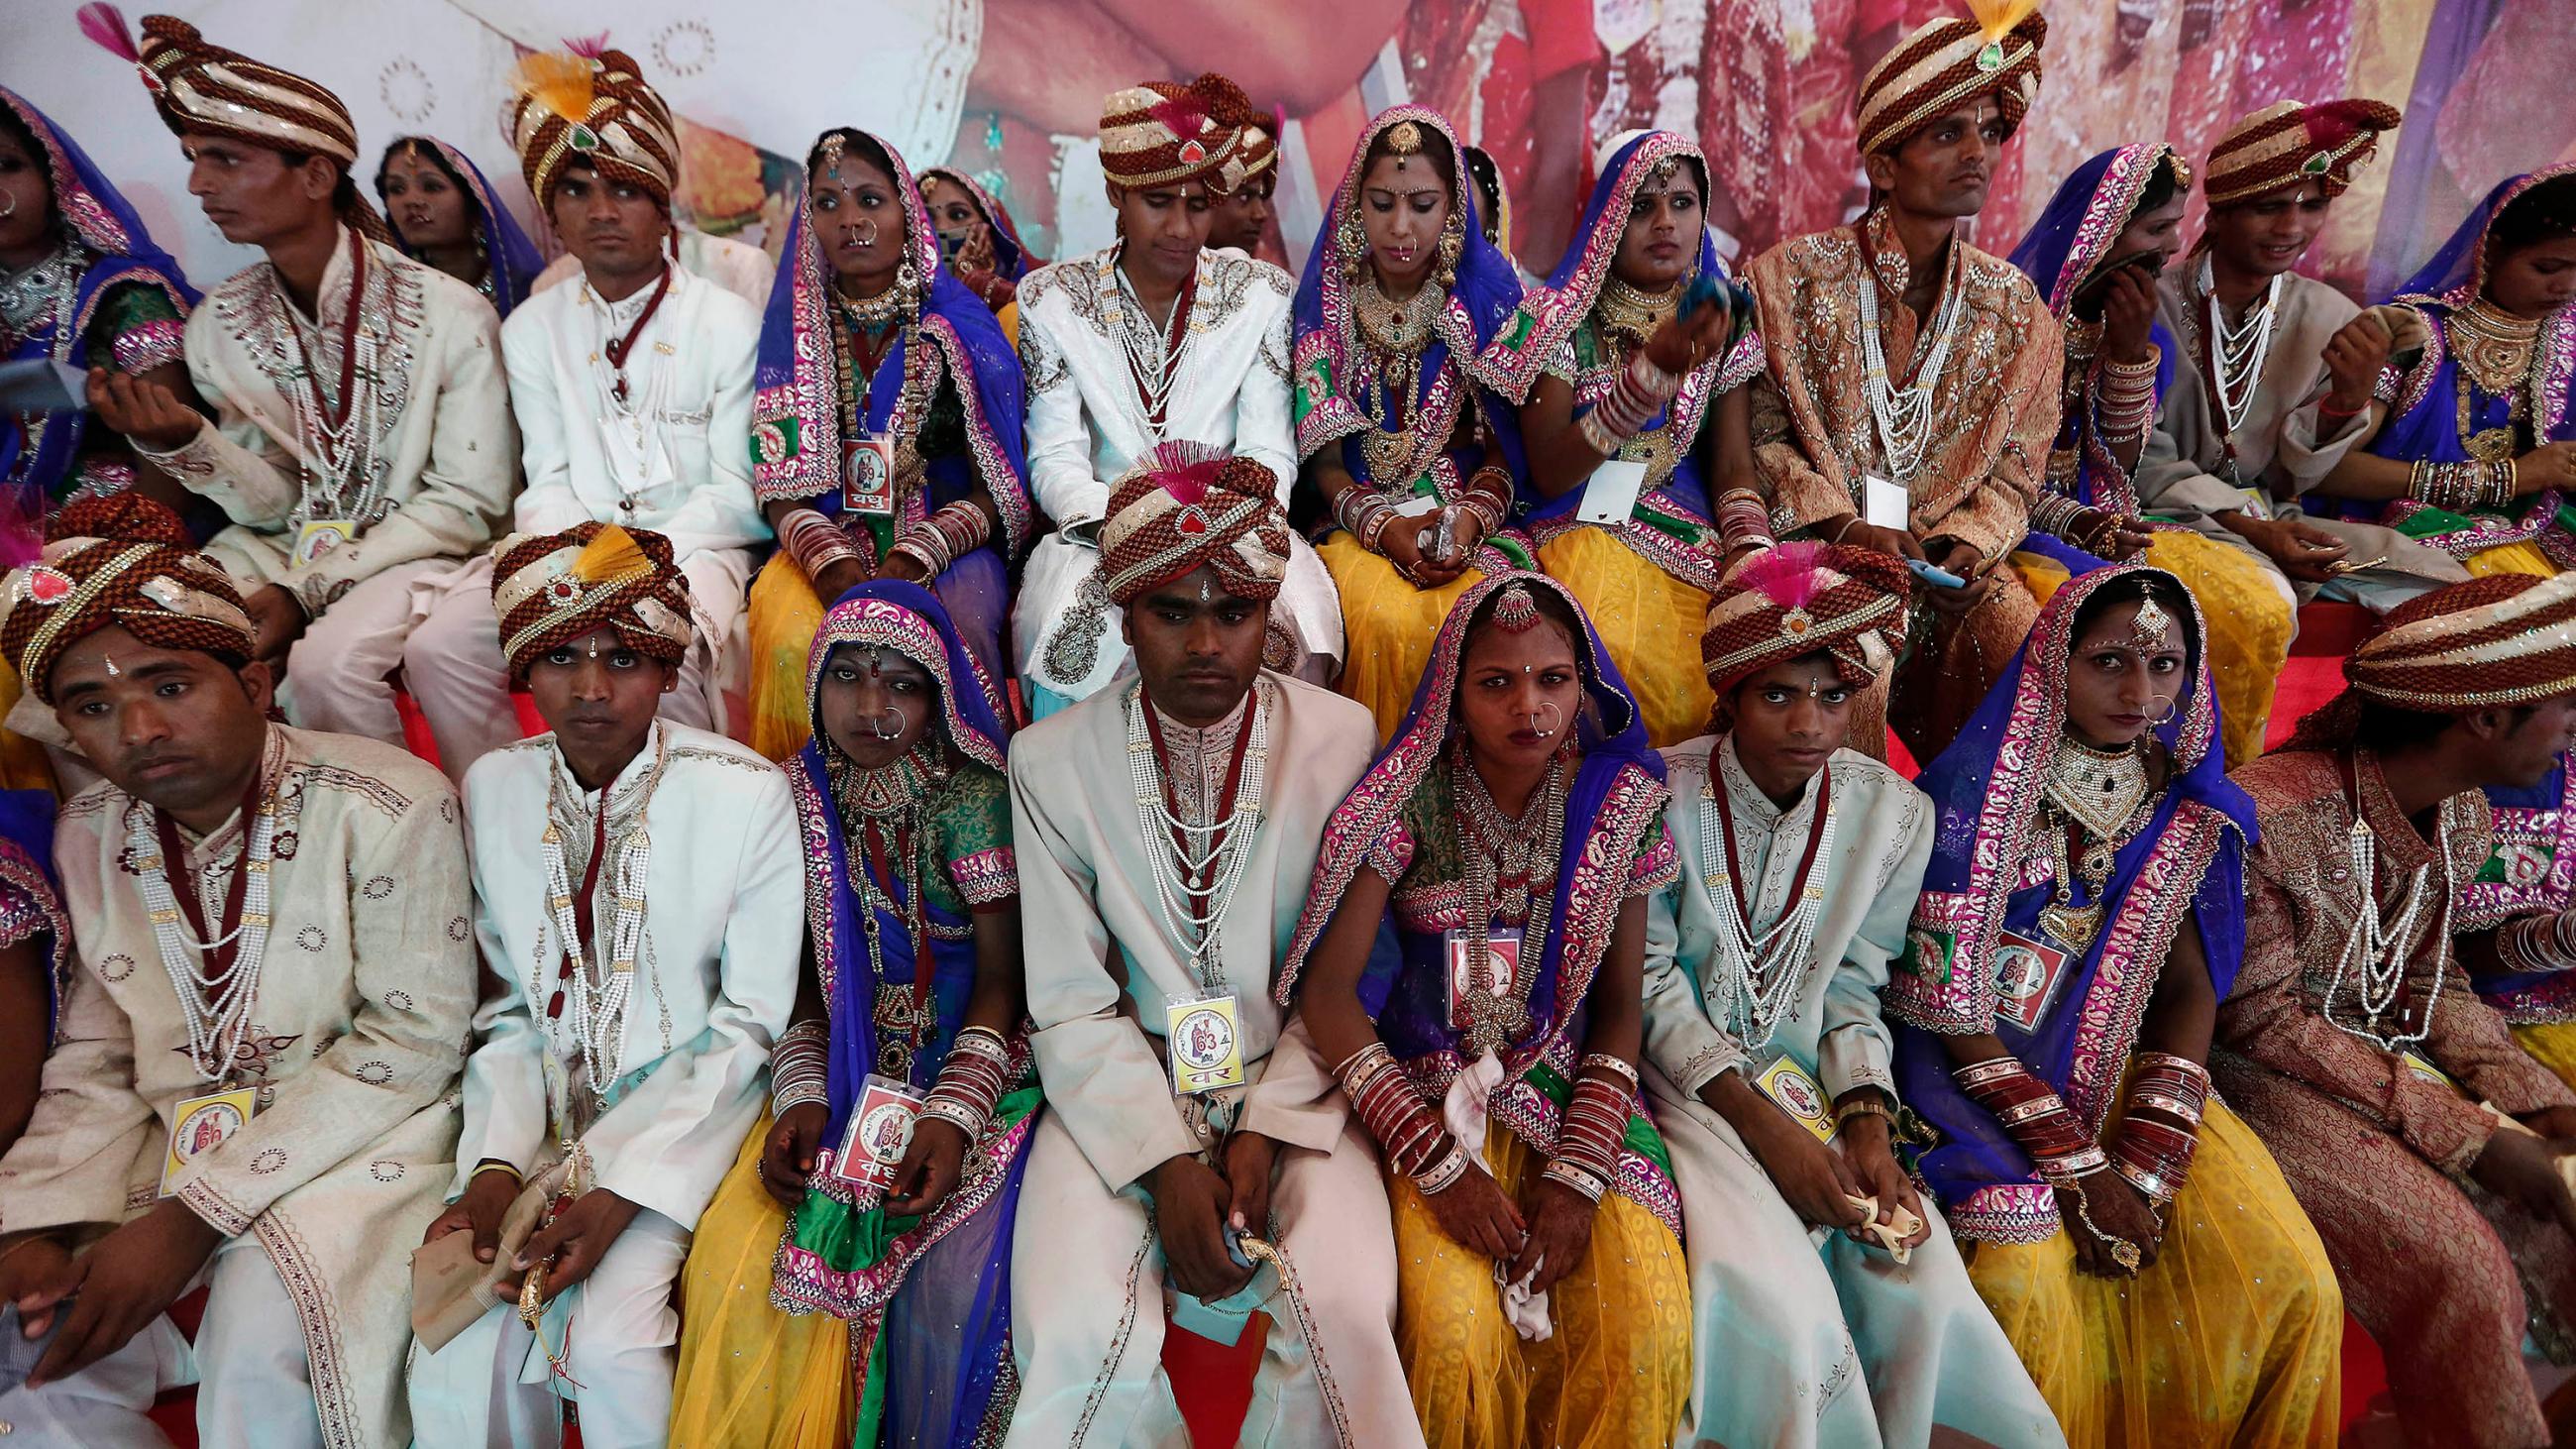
(511, 260)
(93, 212)
(1987, 788)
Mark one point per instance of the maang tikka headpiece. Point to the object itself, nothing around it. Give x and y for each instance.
(1515, 612)
(2147, 632)
(1403, 141)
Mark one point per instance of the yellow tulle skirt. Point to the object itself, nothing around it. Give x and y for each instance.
(784, 612)
(749, 1376)
(1650, 622)
(1615, 1373)
(1387, 627)
(2510, 558)
(2233, 1337)
(2553, 1045)
(2249, 622)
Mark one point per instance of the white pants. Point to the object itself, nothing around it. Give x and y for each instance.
(452, 660)
(336, 672)
(253, 1385)
(1087, 1305)
(619, 1332)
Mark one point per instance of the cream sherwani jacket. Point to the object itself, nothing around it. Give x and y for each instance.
(2281, 453)
(1086, 425)
(1101, 963)
(359, 1024)
(691, 371)
(445, 450)
(715, 978)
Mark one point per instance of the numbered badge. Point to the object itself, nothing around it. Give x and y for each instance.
(321, 535)
(1794, 1092)
(2027, 974)
(867, 476)
(880, 1128)
(1206, 1042)
(1477, 986)
(202, 1125)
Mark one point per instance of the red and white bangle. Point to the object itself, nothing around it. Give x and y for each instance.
(972, 1080)
(800, 1068)
(1743, 521)
(1407, 1131)
(1594, 1127)
(1641, 391)
(2537, 944)
(2036, 1118)
(813, 541)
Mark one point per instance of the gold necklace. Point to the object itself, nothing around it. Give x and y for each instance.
(1633, 312)
(1396, 329)
(2493, 346)
(2495, 351)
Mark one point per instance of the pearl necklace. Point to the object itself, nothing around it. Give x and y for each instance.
(1155, 362)
(2237, 354)
(1762, 972)
(593, 1023)
(1903, 415)
(1198, 867)
(2373, 959)
(216, 1008)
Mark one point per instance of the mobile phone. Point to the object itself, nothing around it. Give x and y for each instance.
(1937, 577)
(1709, 287)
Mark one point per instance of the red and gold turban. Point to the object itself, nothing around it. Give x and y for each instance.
(596, 110)
(1805, 598)
(1186, 504)
(2492, 642)
(1949, 63)
(122, 560)
(1163, 132)
(2285, 145)
(1259, 149)
(552, 588)
(208, 89)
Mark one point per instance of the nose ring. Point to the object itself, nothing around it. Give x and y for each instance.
(877, 723)
(1555, 713)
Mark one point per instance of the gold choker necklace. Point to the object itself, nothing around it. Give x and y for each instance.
(1632, 312)
(2493, 346)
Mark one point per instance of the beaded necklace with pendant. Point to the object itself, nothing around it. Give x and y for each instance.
(884, 811)
(586, 1011)
(1511, 868)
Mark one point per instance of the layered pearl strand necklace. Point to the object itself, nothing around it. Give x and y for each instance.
(1197, 867)
(1763, 972)
(591, 1020)
(2238, 353)
(215, 995)
(1903, 415)
(2373, 959)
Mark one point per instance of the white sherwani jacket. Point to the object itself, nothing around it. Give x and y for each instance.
(446, 451)
(1086, 425)
(724, 924)
(691, 369)
(359, 1026)
(1833, 1027)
